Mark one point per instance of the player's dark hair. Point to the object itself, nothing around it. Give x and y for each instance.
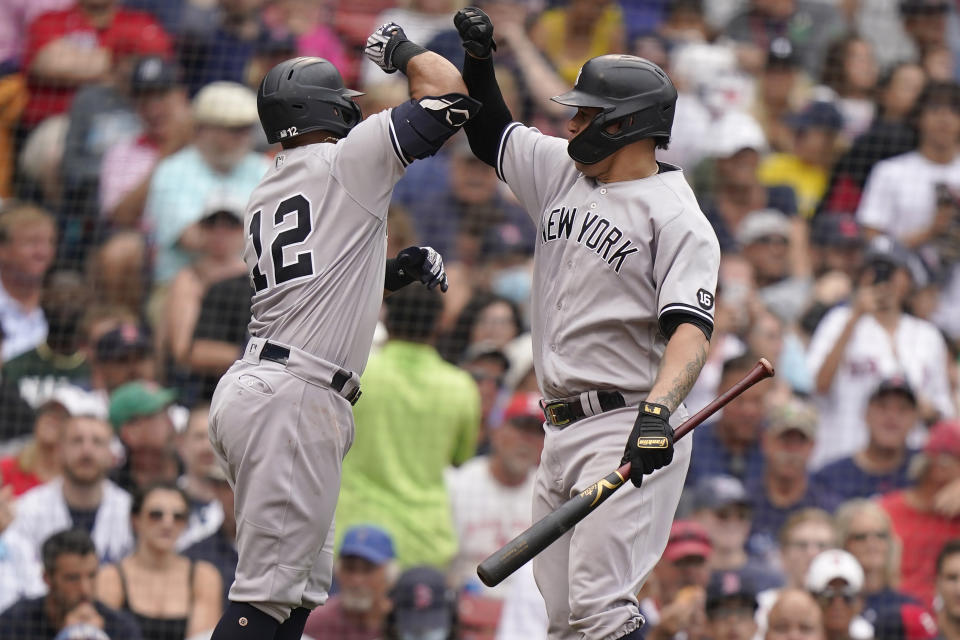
(936, 94)
(75, 541)
(455, 344)
(140, 495)
(413, 313)
(951, 548)
(834, 70)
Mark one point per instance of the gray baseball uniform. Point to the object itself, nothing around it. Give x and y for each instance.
(279, 423)
(612, 259)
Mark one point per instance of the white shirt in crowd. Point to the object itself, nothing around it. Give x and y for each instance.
(18, 571)
(486, 516)
(917, 352)
(524, 615)
(22, 330)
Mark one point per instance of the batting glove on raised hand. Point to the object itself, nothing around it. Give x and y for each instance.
(382, 43)
(476, 31)
(424, 264)
(651, 442)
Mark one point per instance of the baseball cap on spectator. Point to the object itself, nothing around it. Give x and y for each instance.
(895, 384)
(886, 249)
(225, 104)
(944, 438)
(687, 538)
(524, 412)
(730, 585)
(74, 400)
(782, 54)
(422, 601)
(736, 130)
(153, 74)
(830, 565)
(222, 206)
(122, 343)
(835, 230)
(717, 492)
(793, 415)
(923, 7)
(761, 224)
(136, 400)
(484, 349)
(368, 542)
(818, 114)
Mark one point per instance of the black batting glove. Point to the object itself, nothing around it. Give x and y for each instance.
(423, 264)
(651, 442)
(476, 32)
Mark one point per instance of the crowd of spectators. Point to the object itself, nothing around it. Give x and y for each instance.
(822, 139)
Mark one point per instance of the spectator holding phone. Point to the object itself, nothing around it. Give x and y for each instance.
(858, 345)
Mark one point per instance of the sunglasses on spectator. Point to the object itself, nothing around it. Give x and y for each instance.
(157, 515)
(862, 536)
(829, 595)
(733, 513)
(772, 239)
(816, 545)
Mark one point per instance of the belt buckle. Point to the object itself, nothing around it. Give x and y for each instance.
(553, 411)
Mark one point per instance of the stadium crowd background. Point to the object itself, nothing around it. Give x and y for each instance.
(822, 138)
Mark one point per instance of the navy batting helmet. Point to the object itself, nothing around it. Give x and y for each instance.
(620, 86)
(305, 94)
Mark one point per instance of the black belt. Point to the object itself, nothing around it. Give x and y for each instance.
(561, 413)
(280, 355)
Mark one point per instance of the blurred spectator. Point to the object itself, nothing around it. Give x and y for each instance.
(423, 607)
(18, 575)
(62, 356)
(728, 185)
(723, 506)
(921, 529)
(731, 604)
(69, 570)
(184, 185)
(220, 547)
(850, 71)
(490, 495)
(786, 487)
(221, 328)
(487, 364)
(948, 590)
(680, 577)
(776, 248)
(40, 460)
(365, 572)
(13, 99)
(835, 579)
(808, 24)
(28, 239)
(572, 34)
(858, 345)
(72, 47)
(882, 465)
(836, 244)
(795, 616)
(805, 534)
(867, 533)
(138, 413)
(161, 103)
(925, 22)
(196, 454)
(221, 52)
(486, 318)
(83, 497)
(418, 416)
(311, 26)
(524, 614)
(782, 89)
(121, 355)
(170, 596)
(15, 17)
(807, 167)
(730, 444)
(891, 133)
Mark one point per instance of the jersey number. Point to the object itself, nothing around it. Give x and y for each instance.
(284, 272)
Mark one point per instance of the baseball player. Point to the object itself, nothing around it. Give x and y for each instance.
(622, 312)
(280, 420)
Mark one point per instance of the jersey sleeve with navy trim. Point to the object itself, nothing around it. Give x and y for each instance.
(535, 166)
(685, 268)
(369, 162)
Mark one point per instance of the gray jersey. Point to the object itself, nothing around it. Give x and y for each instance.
(316, 243)
(612, 260)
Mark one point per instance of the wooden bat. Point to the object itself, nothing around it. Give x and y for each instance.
(544, 532)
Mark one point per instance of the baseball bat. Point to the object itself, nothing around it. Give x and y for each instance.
(545, 531)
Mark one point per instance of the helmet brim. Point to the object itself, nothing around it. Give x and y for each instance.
(350, 93)
(577, 98)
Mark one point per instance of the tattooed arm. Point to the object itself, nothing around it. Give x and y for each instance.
(684, 357)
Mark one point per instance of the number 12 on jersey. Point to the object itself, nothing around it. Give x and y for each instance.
(275, 266)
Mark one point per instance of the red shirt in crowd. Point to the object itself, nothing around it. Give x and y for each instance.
(129, 33)
(922, 535)
(11, 474)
